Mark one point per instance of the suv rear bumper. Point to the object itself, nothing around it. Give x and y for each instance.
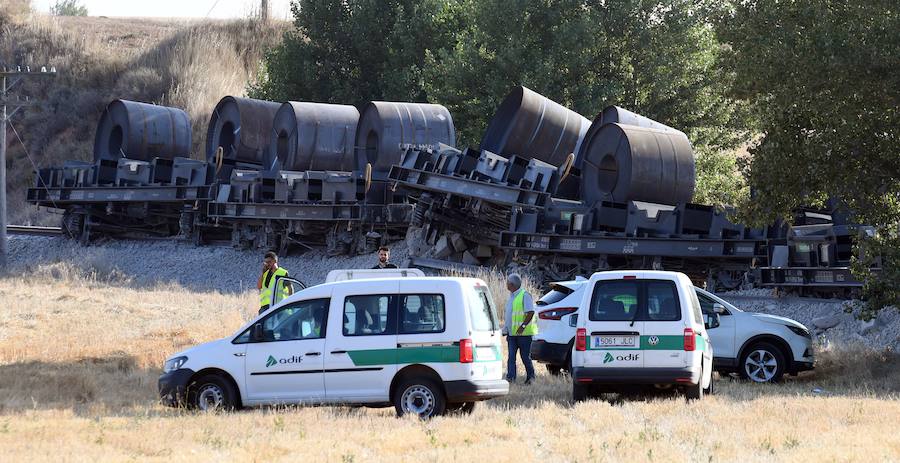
(635, 375)
(172, 386)
(472, 391)
(549, 352)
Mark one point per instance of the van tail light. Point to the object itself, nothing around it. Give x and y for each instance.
(690, 342)
(466, 351)
(556, 314)
(581, 340)
(629, 277)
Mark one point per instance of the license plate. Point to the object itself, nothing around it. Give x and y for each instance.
(485, 353)
(614, 341)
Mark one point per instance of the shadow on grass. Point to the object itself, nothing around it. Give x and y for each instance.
(109, 383)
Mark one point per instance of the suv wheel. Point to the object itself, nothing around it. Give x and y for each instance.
(554, 370)
(211, 393)
(763, 363)
(421, 397)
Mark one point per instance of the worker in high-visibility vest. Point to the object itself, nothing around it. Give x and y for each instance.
(266, 283)
(519, 326)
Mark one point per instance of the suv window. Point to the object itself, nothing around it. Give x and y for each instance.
(556, 294)
(481, 309)
(368, 315)
(641, 300)
(296, 321)
(421, 313)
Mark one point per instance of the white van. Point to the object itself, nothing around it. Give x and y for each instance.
(423, 345)
(640, 329)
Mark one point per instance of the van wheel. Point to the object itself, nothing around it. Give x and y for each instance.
(419, 396)
(211, 393)
(463, 408)
(762, 363)
(695, 391)
(580, 392)
(712, 384)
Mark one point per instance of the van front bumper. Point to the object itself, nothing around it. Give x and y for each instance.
(471, 391)
(172, 386)
(598, 376)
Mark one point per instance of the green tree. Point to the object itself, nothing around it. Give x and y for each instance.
(822, 78)
(68, 8)
(658, 58)
(354, 51)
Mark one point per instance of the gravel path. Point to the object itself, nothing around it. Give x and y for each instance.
(147, 263)
(221, 268)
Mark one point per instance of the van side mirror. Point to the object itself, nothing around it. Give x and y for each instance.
(256, 334)
(711, 320)
(718, 308)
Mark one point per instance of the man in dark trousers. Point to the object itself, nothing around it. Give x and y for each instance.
(266, 283)
(384, 254)
(520, 326)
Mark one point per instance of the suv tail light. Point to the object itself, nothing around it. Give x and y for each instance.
(556, 314)
(581, 339)
(690, 342)
(466, 354)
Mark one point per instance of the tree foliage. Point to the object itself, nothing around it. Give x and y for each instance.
(821, 77)
(657, 58)
(68, 8)
(351, 52)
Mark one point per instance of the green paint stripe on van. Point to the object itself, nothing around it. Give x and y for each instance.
(405, 355)
(665, 342)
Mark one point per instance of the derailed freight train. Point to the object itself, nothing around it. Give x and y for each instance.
(274, 175)
(548, 187)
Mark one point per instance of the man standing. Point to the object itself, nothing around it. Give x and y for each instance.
(384, 254)
(519, 327)
(266, 283)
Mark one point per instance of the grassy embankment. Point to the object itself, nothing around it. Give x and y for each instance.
(186, 64)
(80, 354)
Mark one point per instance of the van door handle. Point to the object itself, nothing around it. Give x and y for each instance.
(239, 354)
(338, 352)
(313, 354)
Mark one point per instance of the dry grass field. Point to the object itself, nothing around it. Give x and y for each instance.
(80, 354)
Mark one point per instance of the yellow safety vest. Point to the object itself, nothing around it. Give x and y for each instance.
(265, 293)
(518, 317)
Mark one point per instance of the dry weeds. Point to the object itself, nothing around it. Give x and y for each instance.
(80, 354)
(187, 64)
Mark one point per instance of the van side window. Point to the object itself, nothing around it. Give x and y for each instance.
(421, 313)
(369, 315)
(662, 302)
(293, 322)
(614, 300)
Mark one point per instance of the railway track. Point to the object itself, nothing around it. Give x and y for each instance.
(32, 230)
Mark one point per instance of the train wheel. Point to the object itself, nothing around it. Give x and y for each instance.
(73, 224)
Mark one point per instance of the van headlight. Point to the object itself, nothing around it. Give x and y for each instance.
(174, 363)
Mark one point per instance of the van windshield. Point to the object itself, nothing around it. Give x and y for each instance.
(481, 309)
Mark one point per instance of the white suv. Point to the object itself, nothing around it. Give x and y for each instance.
(423, 345)
(758, 346)
(640, 329)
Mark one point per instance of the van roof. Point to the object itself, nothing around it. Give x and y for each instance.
(660, 274)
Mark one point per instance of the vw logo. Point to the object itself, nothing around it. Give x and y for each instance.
(653, 340)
